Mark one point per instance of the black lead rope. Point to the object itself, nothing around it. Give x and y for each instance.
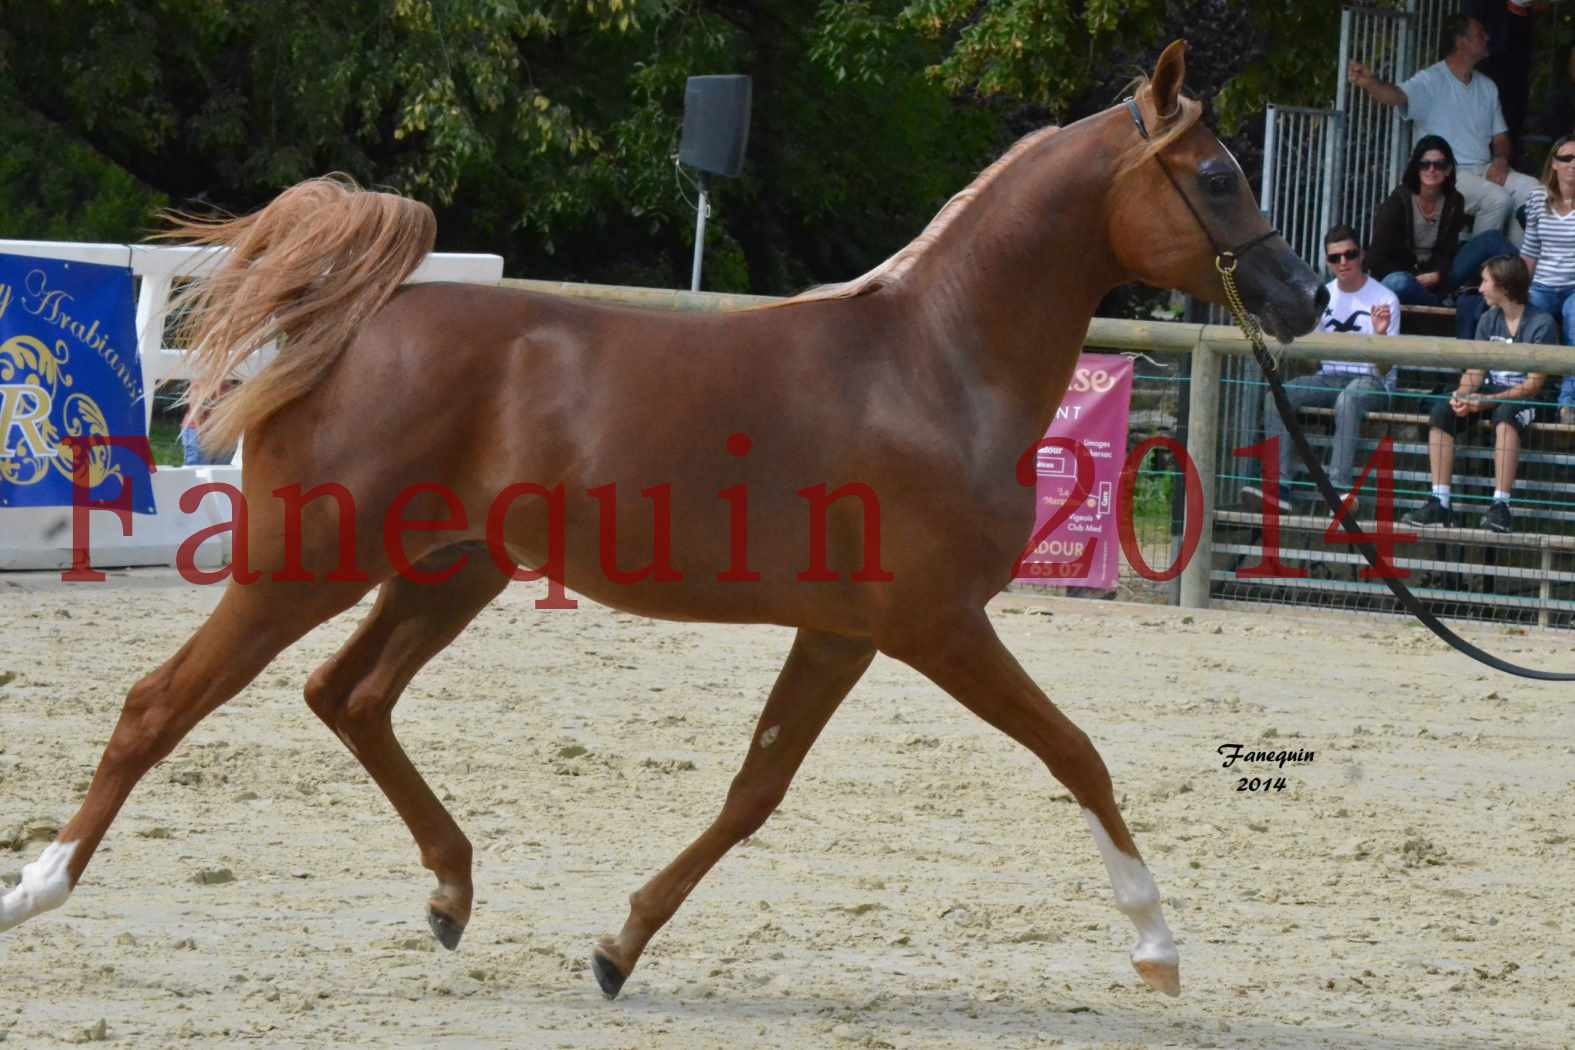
(1225, 262)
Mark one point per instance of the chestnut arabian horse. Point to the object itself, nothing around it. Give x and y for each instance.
(583, 440)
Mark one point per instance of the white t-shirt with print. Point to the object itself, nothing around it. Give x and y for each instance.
(1352, 314)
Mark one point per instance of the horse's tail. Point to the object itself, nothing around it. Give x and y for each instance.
(306, 272)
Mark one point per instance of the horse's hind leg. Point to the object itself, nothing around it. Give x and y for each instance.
(964, 657)
(250, 626)
(820, 670)
(354, 694)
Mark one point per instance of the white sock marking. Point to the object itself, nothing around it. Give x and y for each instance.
(1138, 898)
(46, 883)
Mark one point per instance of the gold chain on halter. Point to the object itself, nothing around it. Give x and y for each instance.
(1245, 321)
(1225, 263)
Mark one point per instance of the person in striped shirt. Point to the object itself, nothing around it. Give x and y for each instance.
(1549, 251)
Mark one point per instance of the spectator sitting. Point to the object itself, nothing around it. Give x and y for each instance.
(1449, 100)
(1549, 249)
(1416, 249)
(1506, 283)
(1360, 305)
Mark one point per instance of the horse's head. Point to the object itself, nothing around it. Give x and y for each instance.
(1182, 202)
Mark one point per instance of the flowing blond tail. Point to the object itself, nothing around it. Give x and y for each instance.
(306, 272)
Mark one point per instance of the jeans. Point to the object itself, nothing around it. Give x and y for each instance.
(1468, 261)
(1352, 396)
(1560, 302)
(193, 453)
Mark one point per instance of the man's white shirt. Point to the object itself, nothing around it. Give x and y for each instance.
(1351, 313)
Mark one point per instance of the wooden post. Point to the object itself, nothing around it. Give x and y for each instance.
(1545, 590)
(1203, 432)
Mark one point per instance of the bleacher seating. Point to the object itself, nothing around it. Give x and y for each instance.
(1526, 576)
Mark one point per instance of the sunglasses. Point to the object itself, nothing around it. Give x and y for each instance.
(1339, 257)
(1563, 158)
(1433, 165)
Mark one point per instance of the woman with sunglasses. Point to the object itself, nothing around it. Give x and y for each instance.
(1416, 249)
(1549, 250)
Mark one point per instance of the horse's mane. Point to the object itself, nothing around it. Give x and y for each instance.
(1177, 123)
(890, 271)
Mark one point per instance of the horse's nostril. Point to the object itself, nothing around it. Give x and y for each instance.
(1321, 298)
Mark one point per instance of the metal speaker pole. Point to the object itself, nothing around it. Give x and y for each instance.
(700, 216)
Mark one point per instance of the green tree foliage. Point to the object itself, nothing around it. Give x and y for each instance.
(546, 130)
(541, 129)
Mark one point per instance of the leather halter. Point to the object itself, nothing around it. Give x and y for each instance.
(1225, 258)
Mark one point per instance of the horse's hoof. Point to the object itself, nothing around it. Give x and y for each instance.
(1160, 976)
(445, 929)
(607, 974)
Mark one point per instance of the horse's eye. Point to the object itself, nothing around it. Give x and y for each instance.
(1220, 184)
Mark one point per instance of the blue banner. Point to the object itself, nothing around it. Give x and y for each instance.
(69, 369)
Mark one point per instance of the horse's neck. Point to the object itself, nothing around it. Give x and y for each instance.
(1014, 284)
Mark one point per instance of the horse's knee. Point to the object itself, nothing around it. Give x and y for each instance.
(146, 731)
(750, 805)
(323, 694)
(1073, 759)
(348, 707)
(367, 708)
(1075, 748)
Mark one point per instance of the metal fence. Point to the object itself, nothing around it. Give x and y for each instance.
(1322, 166)
(1430, 15)
(1301, 149)
(1375, 143)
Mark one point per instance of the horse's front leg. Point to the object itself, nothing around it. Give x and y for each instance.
(250, 626)
(963, 655)
(820, 670)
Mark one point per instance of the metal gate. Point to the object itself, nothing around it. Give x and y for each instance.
(1376, 140)
(1430, 15)
(1326, 166)
(1300, 147)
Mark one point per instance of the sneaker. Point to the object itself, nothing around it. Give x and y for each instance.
(1253, 496)
(1498, 518)
(1431, 513)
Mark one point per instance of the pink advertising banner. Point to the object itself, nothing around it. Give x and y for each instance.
(1093, 415)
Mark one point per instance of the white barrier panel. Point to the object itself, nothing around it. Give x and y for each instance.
(33, 538)
(41, 537)
(159, 267)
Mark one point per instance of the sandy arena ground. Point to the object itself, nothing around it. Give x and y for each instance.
(926, 884)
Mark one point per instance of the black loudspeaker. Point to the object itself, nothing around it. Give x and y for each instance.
(716, 124)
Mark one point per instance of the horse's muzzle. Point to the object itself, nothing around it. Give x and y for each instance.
(1285, 294)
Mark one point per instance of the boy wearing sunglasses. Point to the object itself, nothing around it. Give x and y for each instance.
(1360, 305)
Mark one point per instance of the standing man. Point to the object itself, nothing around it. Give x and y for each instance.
(1358, 305)
(1449, 99)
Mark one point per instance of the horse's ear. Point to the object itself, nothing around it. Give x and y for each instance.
(1165, 86)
